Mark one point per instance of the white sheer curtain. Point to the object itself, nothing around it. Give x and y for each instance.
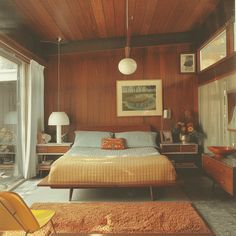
(34, 112)
(213, 111)
(230, 136)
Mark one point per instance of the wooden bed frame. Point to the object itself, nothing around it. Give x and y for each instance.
(44, 182)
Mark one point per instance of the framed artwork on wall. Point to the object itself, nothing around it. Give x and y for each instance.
(139, 98)
(166, 136)
(187, 63)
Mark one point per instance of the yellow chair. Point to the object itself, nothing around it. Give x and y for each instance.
(15, 215)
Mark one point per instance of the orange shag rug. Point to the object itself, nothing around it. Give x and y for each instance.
(125, 217)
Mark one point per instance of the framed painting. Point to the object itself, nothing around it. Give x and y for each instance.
(166, 136)
(187, 63)
(139, 98)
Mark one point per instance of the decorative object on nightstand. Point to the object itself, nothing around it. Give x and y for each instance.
(166, 136)
(43, 138)
(44, 151)
(58, 118)
(188, 130)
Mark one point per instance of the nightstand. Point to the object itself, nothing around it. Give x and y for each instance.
(48, 153)
(182, 155)
(222, 172)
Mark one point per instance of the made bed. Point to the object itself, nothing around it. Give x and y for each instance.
(89, 164)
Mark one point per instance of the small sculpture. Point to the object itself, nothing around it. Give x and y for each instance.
(43, 138)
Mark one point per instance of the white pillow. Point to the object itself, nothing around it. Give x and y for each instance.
(139, 138)
(90, 138)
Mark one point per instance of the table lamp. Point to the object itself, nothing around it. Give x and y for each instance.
(58, 118)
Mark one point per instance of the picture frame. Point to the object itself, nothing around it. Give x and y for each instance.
(139, 98)
(166, 136)
(187, 63)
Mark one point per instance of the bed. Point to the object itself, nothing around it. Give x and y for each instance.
(88, 165)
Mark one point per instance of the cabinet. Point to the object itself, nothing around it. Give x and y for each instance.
(49, 152)
(222, 172)
(181, 154)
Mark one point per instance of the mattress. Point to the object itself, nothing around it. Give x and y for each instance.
(127, 167)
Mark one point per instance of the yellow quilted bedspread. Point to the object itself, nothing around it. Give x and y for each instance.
(112, 170)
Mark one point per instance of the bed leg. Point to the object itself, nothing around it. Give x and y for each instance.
(71, 193)
(151, 193)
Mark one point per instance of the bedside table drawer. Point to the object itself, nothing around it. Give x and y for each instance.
(170, 148)
(41, 149)
(189, 148)
(52, 148)
(57, 149)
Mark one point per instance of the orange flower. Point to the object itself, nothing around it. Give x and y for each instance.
(190, 129)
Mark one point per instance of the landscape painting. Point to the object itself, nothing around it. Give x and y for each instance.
(139, 98)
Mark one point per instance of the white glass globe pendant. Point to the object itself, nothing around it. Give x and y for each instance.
(127, 66)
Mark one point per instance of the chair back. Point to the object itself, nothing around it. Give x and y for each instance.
(15, 214)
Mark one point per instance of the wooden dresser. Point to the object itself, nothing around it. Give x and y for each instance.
(223, 171)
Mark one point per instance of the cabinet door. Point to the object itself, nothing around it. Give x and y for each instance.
(220, 172)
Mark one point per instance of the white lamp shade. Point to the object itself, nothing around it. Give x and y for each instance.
(58, 118)
(10, 118)
(127, 66)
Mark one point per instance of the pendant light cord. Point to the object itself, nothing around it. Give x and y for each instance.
(58, 73)
(127, 47)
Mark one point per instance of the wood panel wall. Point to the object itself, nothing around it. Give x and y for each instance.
(88, 86)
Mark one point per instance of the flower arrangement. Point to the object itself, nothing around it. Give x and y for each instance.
(189, 129)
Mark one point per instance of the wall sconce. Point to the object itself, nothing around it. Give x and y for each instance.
(167, 114)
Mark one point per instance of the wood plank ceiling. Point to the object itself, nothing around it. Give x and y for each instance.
(89, 20)
(93, 19)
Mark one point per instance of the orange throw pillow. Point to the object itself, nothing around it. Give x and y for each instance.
(113, 143)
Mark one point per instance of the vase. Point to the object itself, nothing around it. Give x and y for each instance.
(184, 138)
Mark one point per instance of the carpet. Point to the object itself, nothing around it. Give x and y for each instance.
(125, 217)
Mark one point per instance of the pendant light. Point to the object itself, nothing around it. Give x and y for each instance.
(127, 66)
(58, 117)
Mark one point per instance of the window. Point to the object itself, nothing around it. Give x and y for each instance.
(213, 51)
(9, 157)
